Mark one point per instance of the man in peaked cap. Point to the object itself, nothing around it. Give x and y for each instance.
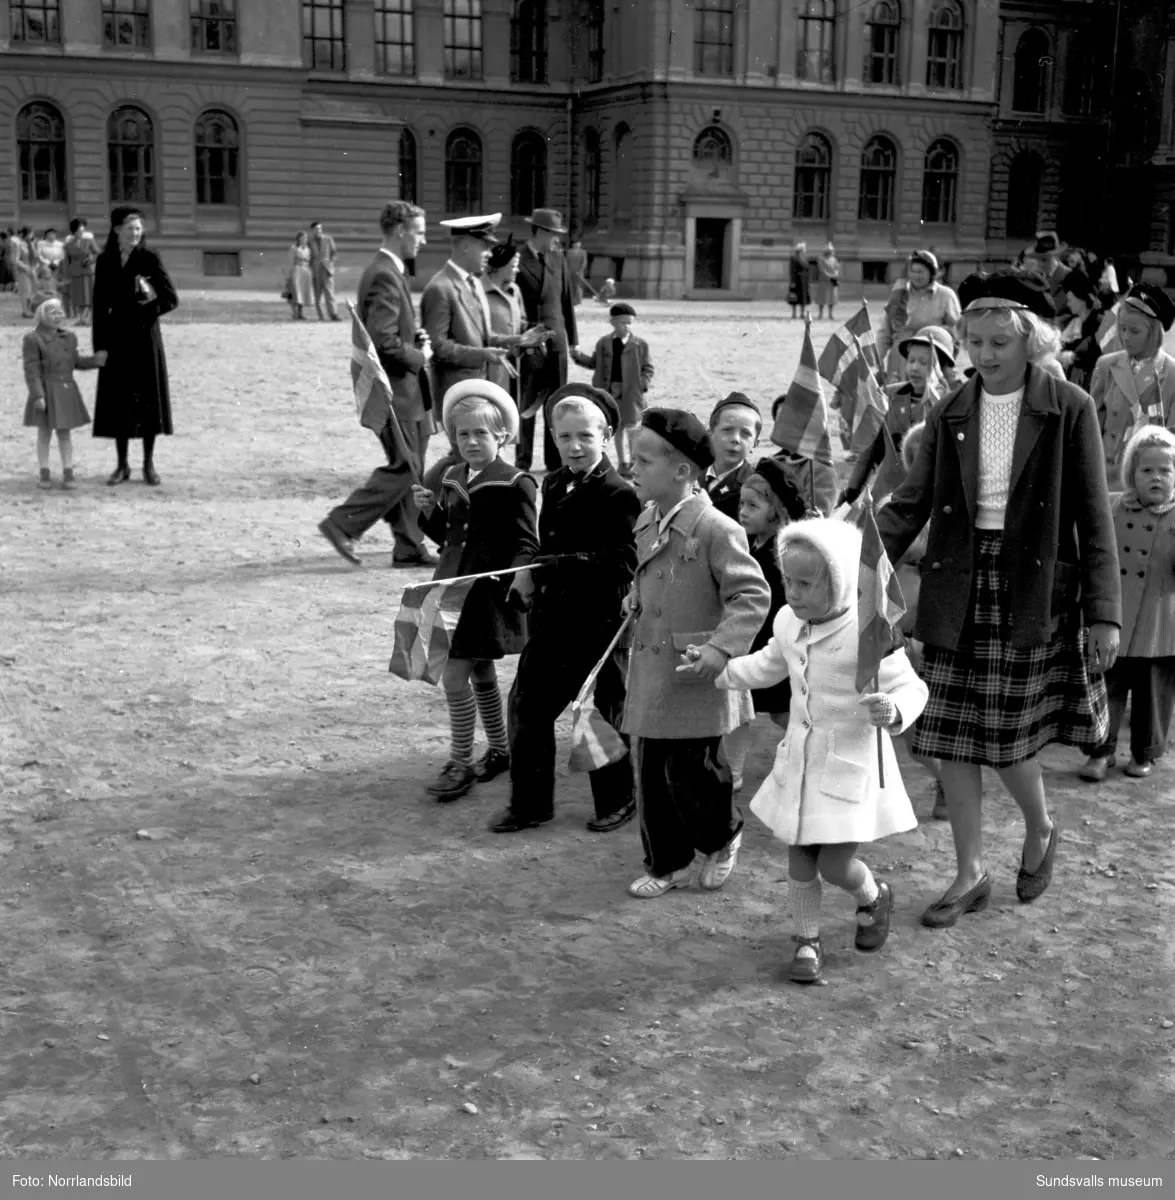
(545, 282)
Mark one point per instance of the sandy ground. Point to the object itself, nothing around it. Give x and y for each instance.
(307, 957)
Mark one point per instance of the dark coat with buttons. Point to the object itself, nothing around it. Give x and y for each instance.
(1059, 556)
(485, 526)
(726, 491)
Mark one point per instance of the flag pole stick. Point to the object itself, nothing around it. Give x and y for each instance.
(534, 566)
(880, 754)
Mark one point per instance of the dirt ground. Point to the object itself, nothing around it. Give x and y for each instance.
(307, 957)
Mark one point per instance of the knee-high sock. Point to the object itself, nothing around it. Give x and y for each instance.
(65, 448)
(489, 708)
(806, 898)
(43, 437)
(462, 722)
(867, 892)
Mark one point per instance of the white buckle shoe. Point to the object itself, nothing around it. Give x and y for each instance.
(649, 887)
(718, 867)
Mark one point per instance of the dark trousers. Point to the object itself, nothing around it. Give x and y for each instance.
(686, 803)
(1150, 684)
(538, 380)
(551, 670)
(387, 495)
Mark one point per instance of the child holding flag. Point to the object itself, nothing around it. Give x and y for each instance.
(484, 521)
(835, 782)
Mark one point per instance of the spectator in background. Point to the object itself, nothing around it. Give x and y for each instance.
(577, 264)
(299, 289)
(914, 303)
(322, 270)
(828, 269)
(799, 289)
(81, 253)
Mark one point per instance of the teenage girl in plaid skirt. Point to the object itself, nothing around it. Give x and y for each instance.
(1020, 604)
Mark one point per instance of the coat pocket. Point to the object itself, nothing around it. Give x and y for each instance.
(842, 778)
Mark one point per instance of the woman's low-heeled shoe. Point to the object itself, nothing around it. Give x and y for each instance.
(150, 476)
(944, 913)
(118, 475)
(1031, 885)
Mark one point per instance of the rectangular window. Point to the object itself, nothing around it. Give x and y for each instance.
(225, 263)
(462, 39)
(714, 37)
(126, 24)
(37, 22)
(395, 44)
(816, 42)
(596, 41)
(214, 26)
(323, 45)
(881, 58)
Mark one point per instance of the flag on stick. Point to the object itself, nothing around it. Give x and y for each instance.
(373, 392)
(424, 629)
(1107, 334)
(801, 420)
(594, 743)
(850, 350)
(891, 474)
(880, 603)
(869, 410)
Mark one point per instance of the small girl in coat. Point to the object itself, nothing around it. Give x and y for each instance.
(484, 521)
(1144, 524)
(50, 358)
(824, 796)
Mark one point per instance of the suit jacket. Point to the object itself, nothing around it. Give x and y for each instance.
(637, 373)
(322, 255)
(698, 585)
(386, 310)
(1117, 401)
(456, 326)
(1059, 555)
(547, 295)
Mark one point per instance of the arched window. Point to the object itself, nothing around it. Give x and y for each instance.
(217, 159)
(528, 173)
(463, 172)
(1085, 69)
(528, 41)
(130, 149)
(40, 143)
(940, 183)
(881, 42)
(591, 176)
(813, 179)
(1024, 178)
(622, 177)
(879, 168)
(1030, 72)
(595, 40)
(408, 166)
(712, 149)
(944, 46)
(816, 44)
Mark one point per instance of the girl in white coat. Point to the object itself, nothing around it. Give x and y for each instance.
(824, 796)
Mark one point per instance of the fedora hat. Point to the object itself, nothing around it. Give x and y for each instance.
(550, 219)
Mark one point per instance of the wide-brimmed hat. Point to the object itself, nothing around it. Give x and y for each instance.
(550, 219)
(934, 336)
(482, 389)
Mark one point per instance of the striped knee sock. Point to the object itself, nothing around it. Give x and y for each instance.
(462, 722)
(806, 898)
(489, 708)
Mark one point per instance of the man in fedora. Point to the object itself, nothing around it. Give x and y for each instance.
(548, 299)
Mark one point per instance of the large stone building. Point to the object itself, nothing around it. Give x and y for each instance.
(690, 141)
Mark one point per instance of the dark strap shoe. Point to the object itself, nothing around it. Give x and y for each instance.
(873, 921)
(615, 820)
(491, 764)
(1031, 885)
(150, 475)
(806, 968)
(118, 475)
(455, 779)
(508, 821)
(944, 913)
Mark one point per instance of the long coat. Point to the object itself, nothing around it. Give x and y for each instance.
(824, 787)
(1059, 557)
(133, 399)
(50, 359)
(1118, 402)
(636, 368)
(485, 526)
(384, 305)
(80, 255)
(547, 295)
(1146, 554)
(458, 328)
(799, 289)
(698, 586)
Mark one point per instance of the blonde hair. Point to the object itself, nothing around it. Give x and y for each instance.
(468, 406)
(578, 406)
(1043, 340)
(1154, 342)
(762, 489)
(45, 305)
(911, 444)
(1147, 437)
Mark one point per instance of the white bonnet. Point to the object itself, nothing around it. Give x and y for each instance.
(838, 543)
(42, 308)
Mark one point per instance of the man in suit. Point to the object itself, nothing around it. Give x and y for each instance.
(548, 298)
(455, 311)
(385, 308)
(322, 270)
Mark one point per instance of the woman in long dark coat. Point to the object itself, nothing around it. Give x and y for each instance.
(131, 292)
(799, 293)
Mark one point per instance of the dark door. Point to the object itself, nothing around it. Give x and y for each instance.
(710, 253)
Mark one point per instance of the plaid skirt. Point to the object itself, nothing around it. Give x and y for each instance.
(995, 705)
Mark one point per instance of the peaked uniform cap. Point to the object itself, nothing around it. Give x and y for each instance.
(481, 228)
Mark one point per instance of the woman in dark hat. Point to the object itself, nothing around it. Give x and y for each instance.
(914, 303)
(1135, 385)
(131, 292)
(1020, 605)
(506, 311)
(1080, 348)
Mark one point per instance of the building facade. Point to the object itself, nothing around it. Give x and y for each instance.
(690, 142)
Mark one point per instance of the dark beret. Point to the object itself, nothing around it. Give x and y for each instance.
(683, 431)
(734, 400)
(782, 488)
(622, 309)
(502, 254)
(1152, 301)
(119, 215)
(584, 391)
(1009, 289)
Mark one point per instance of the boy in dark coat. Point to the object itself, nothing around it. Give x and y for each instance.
(589, 511)
(735, 425)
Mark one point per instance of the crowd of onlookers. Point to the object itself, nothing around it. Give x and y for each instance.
(39, 266)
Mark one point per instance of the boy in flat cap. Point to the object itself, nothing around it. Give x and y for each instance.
(589, 511)
(698, 600)
(621, 366)
(735, 425)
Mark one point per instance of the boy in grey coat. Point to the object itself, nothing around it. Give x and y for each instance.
(698, 600)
